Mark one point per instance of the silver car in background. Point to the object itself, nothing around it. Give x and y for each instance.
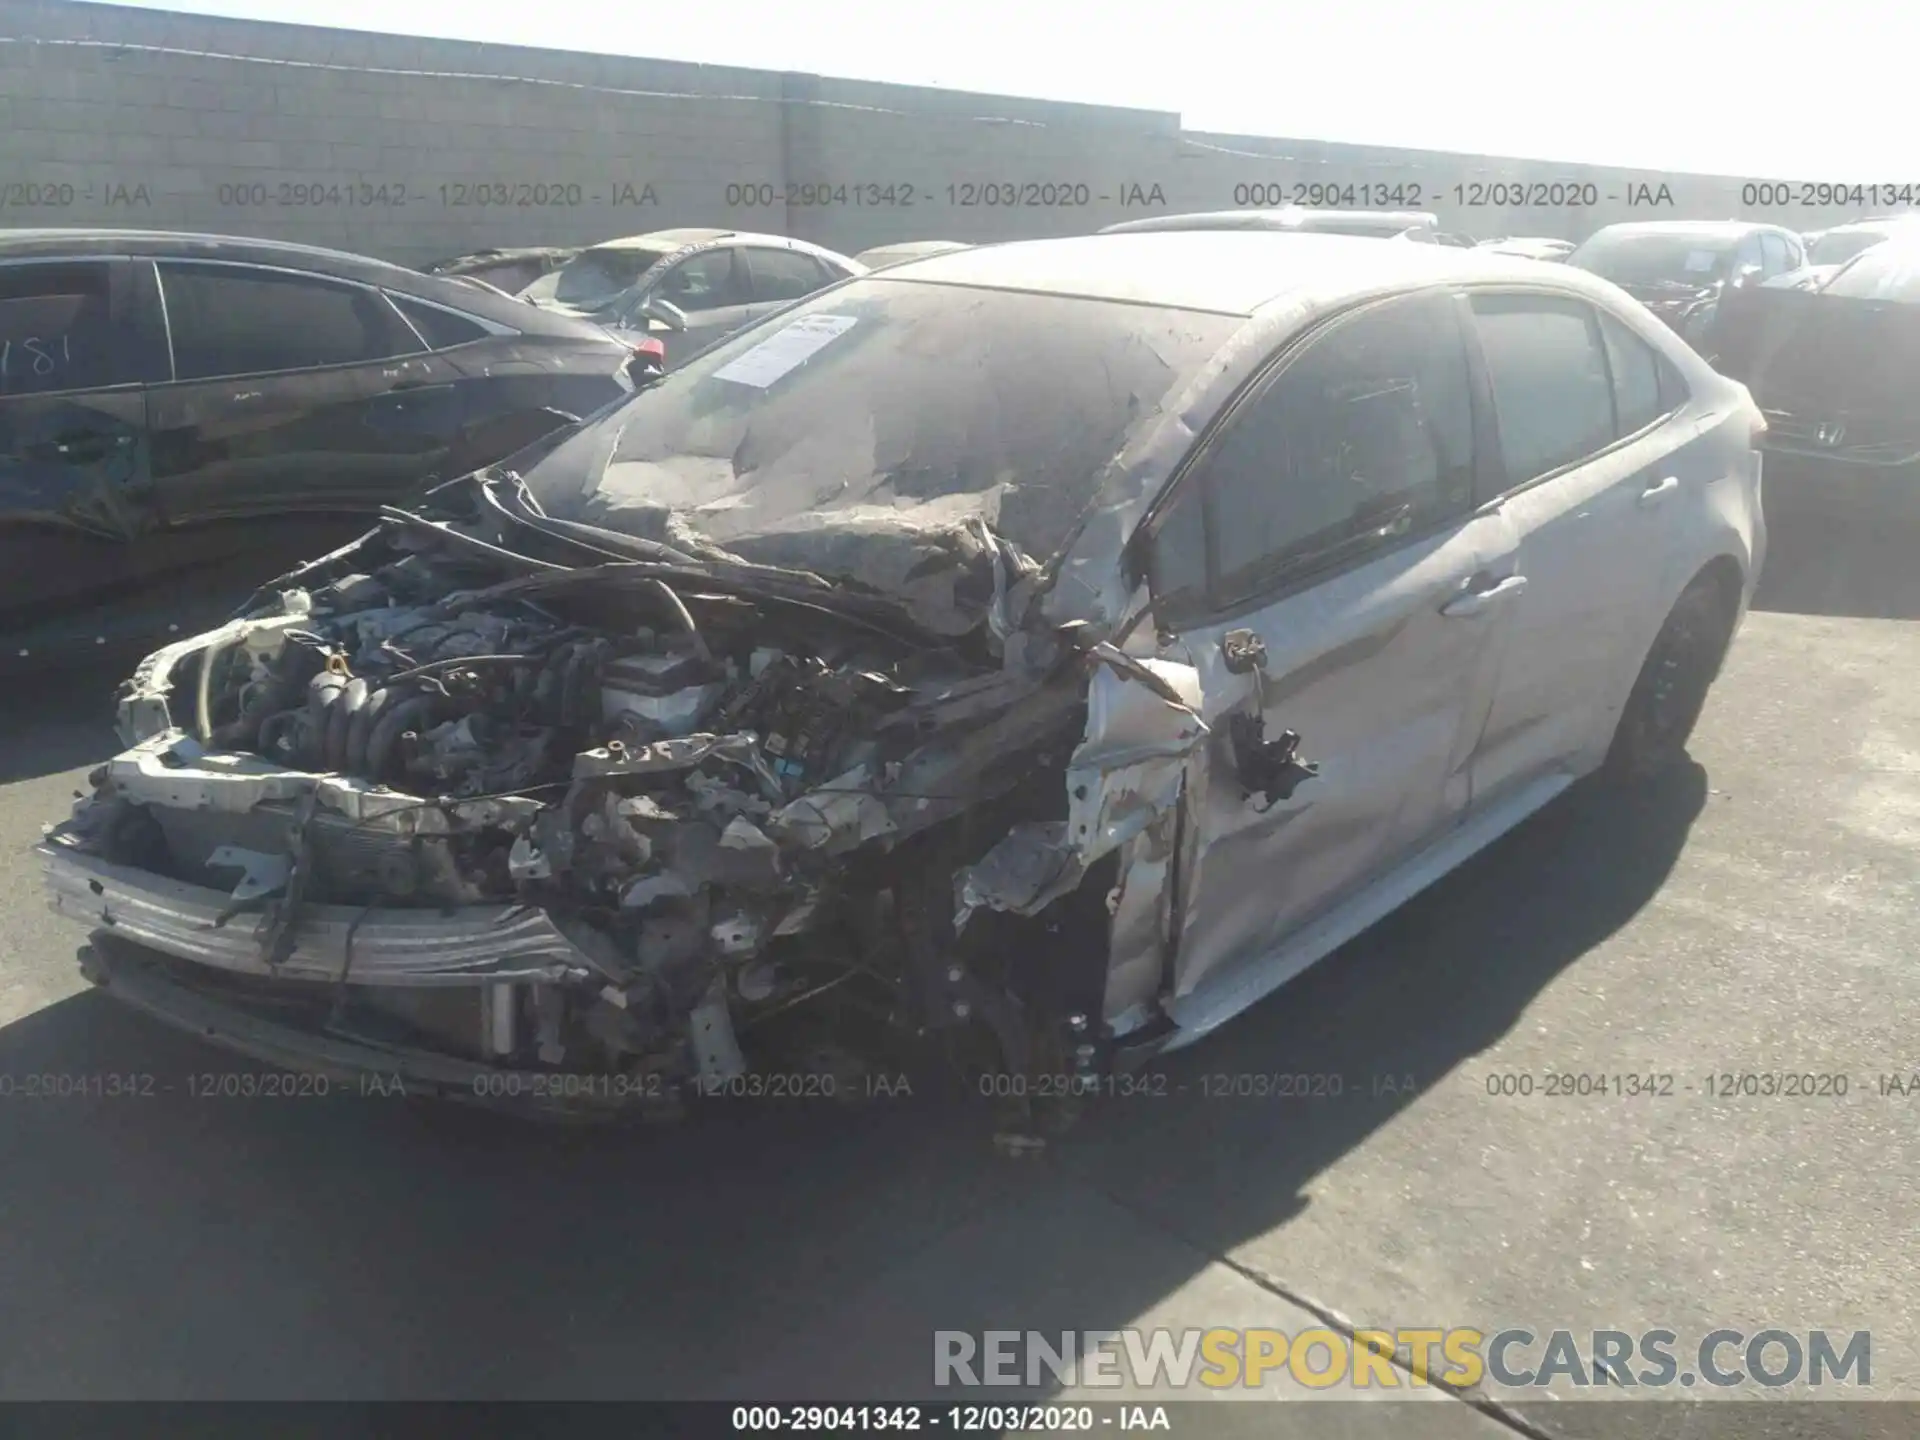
(901, 251)
(1297, 219)
(687, 288)
(1528, 247)
(1033, 655)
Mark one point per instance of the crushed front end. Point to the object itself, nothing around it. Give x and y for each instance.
(607, 836)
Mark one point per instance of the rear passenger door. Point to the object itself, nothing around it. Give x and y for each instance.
(1578, 401)
(780, 276)
(290, 392)
(294, 398)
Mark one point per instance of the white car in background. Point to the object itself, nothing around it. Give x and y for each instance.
(1529, 247)
(1828, 250)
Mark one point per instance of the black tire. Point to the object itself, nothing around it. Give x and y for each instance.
(1672, 686)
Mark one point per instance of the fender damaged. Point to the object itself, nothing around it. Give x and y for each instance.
(661, 832)
(1127, 783)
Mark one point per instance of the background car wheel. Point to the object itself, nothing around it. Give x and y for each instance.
(1672, 686)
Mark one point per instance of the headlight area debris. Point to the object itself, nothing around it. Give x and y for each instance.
(764, 829)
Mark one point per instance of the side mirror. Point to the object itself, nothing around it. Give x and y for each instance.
(654, 307)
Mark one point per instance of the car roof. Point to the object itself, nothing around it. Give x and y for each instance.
(1229, 272)
(671, 242)
(507, 256)
(89, 241)
(1286, 217)
(1724, 229)
(670, 239)
(1880, 224)
(314, 259)
(916, 247)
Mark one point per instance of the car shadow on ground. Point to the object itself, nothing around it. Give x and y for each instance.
(58, 718)
(365, 1246)
(1838, 559)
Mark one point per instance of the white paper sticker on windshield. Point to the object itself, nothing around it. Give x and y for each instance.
(792, 347)
(1699, 262)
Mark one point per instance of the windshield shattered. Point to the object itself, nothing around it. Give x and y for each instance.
(881, 407)
(594, 277)
(1647, 259)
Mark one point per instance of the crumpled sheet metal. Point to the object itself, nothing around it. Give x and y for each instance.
(40, 485)
(144, 710)
(1127, 774)
(934, 784)
(173, 770)
(416, 947)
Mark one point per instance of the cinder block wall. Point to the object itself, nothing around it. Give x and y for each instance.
(414, 149)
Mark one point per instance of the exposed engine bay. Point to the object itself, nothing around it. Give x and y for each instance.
(638, 820)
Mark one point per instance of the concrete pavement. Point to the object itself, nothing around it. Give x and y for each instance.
(1756, 915)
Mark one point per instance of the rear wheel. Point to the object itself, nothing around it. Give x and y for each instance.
(1672, 686)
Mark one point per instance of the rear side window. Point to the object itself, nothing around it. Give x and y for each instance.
(1637, 397)
(1551, 392)
(783, 275)
(441, 329)
(55, 329)
(235, 320)
(1364, 437)
(709, 280)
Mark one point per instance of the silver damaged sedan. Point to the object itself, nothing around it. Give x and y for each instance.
(1021, 661)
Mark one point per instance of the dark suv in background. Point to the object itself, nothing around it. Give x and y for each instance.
(185, 416)
(1681, 269)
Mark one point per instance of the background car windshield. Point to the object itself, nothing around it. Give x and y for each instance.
(1643, 259)
(600, 274)
(1837, 246)
(883, 403)
(1886, 272)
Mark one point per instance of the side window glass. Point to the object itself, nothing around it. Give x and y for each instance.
(232, 320)
(701, 282)
(55, 329)
(1773, 256)
(1636, 376)
(1551, 392)
(441, 329)
(1177, 558)
(1674, 390)
(783, 275)
(1365, 436)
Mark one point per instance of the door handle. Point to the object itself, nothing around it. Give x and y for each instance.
(1476, 601)
(1657, 492)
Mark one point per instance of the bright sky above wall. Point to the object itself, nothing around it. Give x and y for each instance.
(1767, 91)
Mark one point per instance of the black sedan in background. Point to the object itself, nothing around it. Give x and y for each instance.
(1681, 269)
(184, 416)
(1836, 372)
